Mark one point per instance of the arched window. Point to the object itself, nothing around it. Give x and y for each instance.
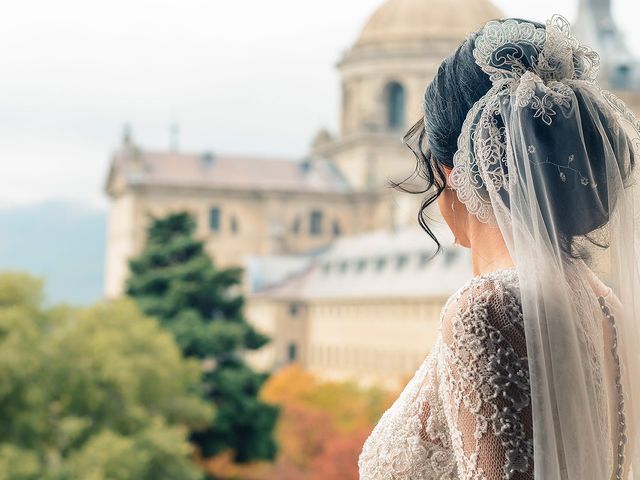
(395, 97)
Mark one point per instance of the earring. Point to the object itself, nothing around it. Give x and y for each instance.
(453, 209)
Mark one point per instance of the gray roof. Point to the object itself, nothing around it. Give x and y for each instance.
(379, 264)
(240, 172)
(263, 272)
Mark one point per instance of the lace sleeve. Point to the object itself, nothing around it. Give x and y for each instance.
(485, 383)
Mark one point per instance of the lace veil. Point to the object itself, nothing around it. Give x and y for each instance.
(548, 157)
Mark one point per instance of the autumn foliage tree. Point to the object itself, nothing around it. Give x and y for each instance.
(324, 423)
(321, 430)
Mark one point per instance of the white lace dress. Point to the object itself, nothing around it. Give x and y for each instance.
(466, 414)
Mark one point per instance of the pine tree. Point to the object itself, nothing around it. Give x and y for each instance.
(174, 280)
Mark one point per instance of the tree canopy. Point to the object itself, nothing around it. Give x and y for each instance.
(93, 393)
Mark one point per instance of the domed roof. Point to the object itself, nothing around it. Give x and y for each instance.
(411, 20)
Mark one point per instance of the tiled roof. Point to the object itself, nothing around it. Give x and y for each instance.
(229, 171)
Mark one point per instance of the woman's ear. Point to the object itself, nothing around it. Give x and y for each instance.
(447, 170)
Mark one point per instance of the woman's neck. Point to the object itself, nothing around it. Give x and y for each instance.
(488, 249)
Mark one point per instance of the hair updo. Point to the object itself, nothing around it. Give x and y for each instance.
(458, 84)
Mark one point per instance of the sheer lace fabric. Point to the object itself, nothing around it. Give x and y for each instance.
(466, 414)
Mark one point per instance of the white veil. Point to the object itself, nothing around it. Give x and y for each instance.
(548, 157)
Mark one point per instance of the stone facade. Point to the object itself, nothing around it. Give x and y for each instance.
(367, 308)
(305, 209)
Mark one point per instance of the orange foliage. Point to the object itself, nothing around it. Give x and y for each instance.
(349, 406)
(339, 458)
(222, 467)
(303, 434)
(320, 432)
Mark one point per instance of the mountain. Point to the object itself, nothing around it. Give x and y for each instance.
(63, 242)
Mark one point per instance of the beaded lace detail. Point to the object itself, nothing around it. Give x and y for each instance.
(620, 417)
(466, 412)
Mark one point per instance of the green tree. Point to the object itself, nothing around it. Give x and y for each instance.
(92, 394)
(174, 280)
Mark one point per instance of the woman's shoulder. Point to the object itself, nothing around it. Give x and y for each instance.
(486, 286)
(493, 297)
(484, 317)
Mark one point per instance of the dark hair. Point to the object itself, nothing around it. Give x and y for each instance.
(458, 84)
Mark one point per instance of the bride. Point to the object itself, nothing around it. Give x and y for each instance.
(535, 372)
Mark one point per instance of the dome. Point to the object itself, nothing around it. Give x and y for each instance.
(411, 20)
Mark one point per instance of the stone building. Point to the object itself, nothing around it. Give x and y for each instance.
(242, 205)
(334, 273)
(383, 78)
(247, 205)
(367, 308)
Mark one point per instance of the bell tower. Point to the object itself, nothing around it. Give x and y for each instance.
(383, 77)
(596, 28)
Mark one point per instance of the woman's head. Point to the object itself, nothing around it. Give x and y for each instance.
(459, 83)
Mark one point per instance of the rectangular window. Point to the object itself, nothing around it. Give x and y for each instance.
(292, 352)
(295, 228)
(315, 223)
(214, 219)
(337, 231)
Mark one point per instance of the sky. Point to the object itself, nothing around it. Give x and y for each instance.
(237, 76)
